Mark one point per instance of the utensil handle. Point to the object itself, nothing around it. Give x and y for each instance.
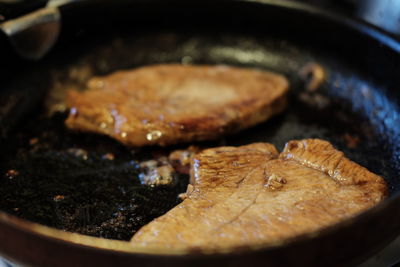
(34, 33)
(10, 9)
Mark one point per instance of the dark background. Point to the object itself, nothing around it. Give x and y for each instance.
(382, 13)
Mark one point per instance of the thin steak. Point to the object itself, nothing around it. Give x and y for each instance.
(169, 104)
(251, 194)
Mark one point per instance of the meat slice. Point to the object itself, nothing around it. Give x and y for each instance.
(251, 195)
(169, 104)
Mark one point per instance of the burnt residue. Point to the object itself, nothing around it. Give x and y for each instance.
(69, 181)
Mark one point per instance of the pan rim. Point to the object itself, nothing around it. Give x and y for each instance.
(125, 247)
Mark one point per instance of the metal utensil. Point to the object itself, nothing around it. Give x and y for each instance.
(34, 34)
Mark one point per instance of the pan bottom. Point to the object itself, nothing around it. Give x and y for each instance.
(81, 183)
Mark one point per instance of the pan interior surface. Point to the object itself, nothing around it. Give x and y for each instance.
(356, 109)
(70, 164)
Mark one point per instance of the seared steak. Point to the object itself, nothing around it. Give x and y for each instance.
(168, 104)
(251, 194)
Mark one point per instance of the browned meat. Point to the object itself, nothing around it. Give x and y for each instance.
(168, 104)
(181, 159)
(250, 195)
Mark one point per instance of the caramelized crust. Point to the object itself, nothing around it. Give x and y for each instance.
(321, 155)
(250, 195)
(169, 104)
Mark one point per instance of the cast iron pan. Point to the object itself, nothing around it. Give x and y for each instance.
(357, 109)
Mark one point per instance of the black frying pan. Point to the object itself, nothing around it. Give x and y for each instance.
(359, 101)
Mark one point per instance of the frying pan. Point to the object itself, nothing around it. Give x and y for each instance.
(360, 98)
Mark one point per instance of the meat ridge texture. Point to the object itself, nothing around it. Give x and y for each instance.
(170, 103)
(252, 194)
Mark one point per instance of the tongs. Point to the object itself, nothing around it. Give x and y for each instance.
(34, 32)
